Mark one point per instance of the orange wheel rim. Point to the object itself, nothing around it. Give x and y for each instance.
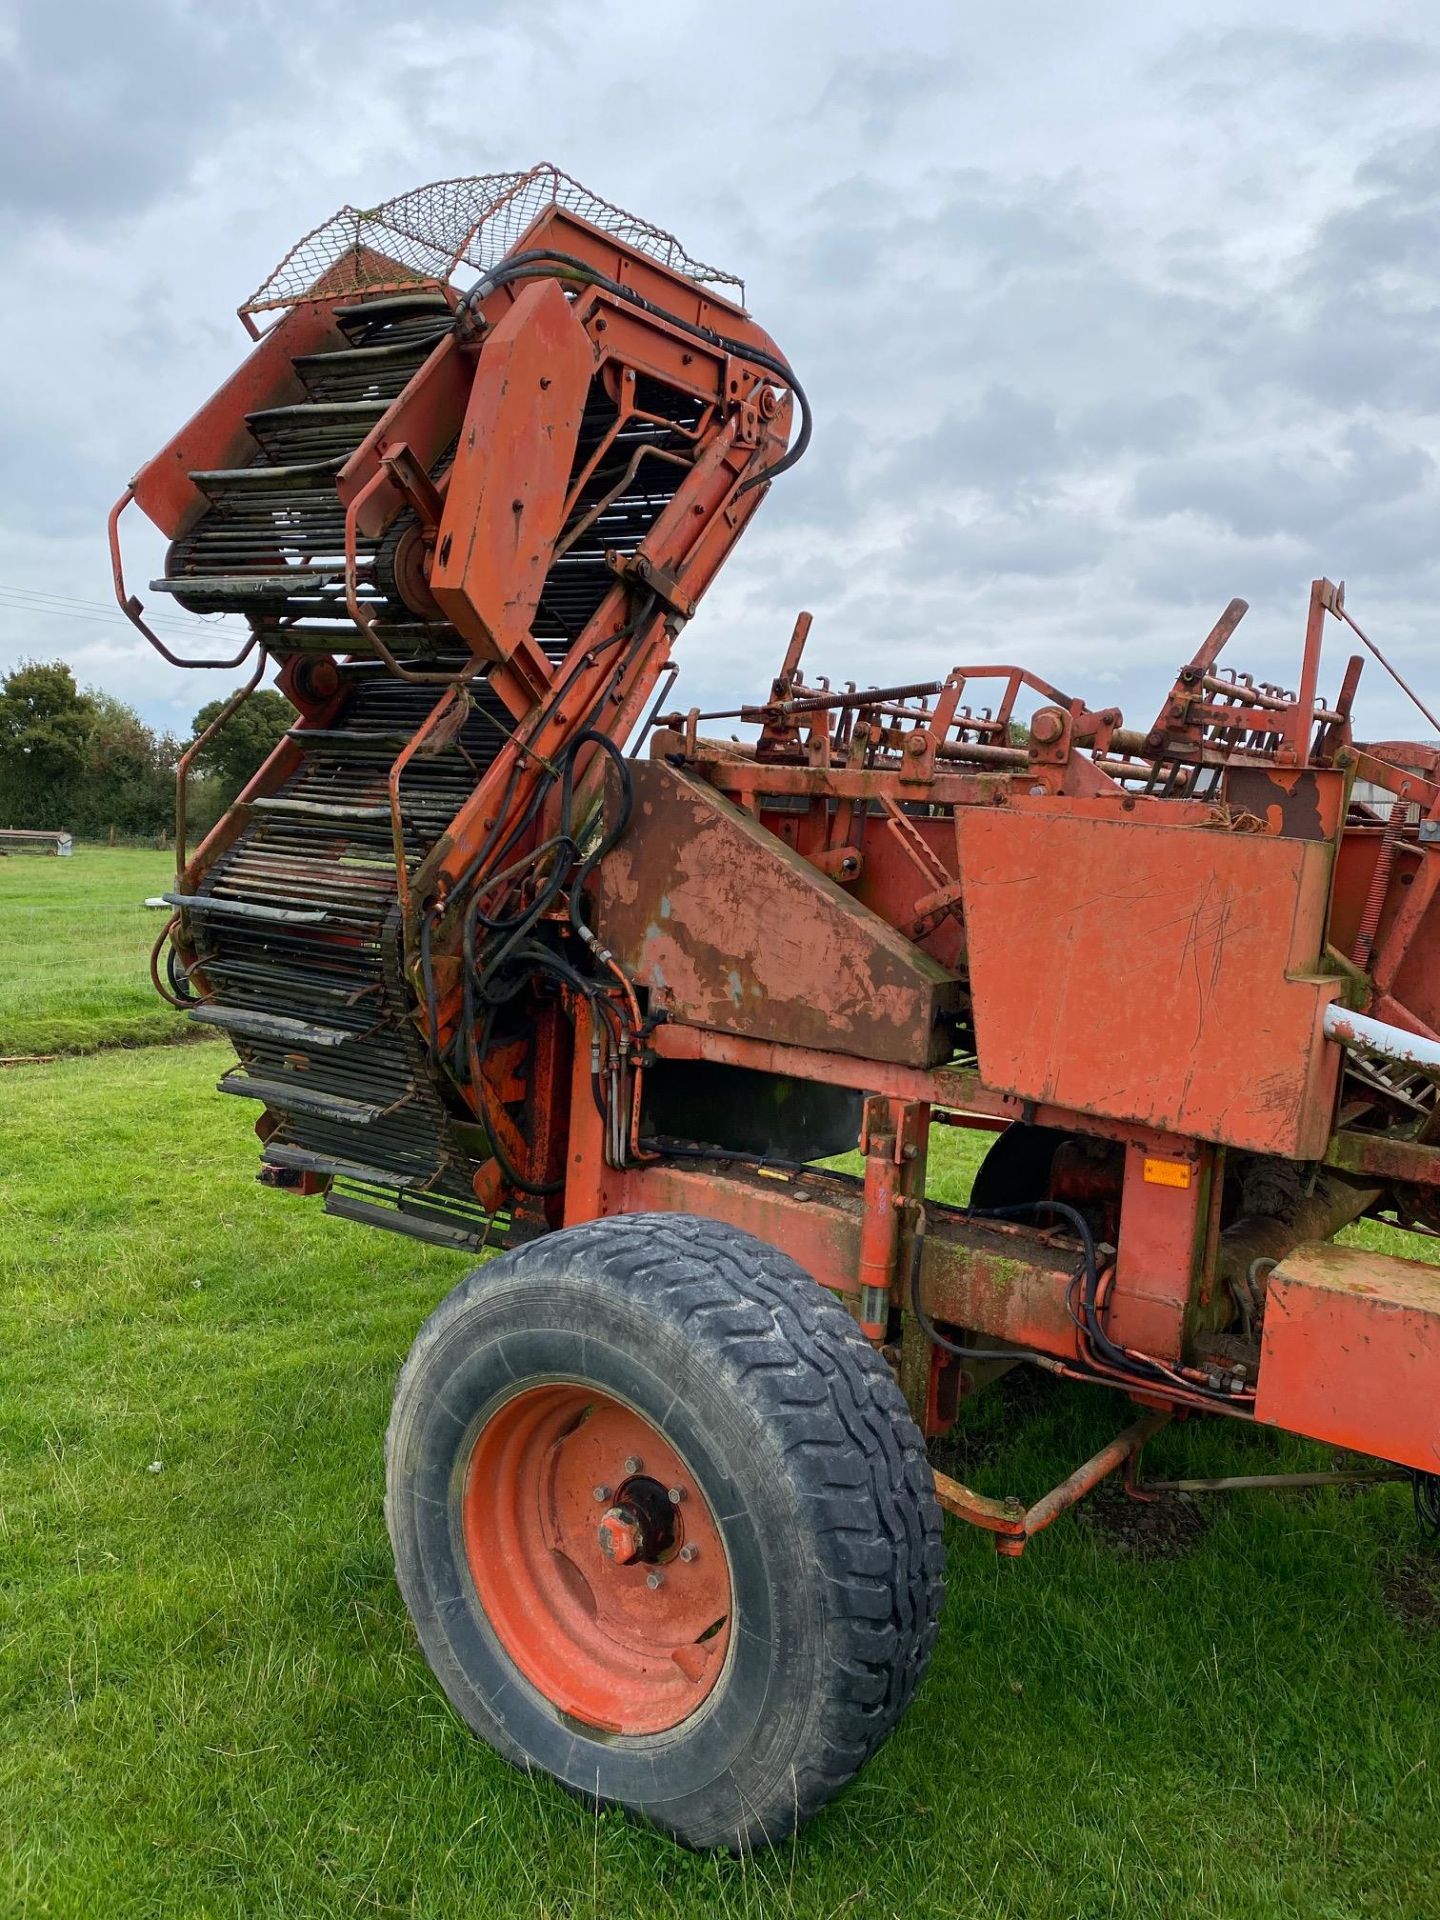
(597, 1559)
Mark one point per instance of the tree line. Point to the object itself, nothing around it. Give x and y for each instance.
(79, 760)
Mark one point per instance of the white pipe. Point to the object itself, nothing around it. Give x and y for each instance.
(1361, 1034)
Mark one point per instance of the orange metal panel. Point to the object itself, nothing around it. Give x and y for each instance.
(1351, 1352)
(217, 436)
(425, 417)
(1004, 1283)
(1164, 1213)
(1155, 973)
(730, 928)
(506, 496)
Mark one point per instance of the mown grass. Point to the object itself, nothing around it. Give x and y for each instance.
(75, 939)
(212, 1704)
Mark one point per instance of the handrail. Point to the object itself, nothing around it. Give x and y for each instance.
(134, 609)
(182, 771)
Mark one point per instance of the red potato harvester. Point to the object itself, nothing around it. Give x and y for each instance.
(657, 1482)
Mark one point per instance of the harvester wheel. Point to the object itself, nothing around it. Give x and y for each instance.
(664, 1525)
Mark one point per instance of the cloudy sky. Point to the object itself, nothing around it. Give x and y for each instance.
(1107, 313)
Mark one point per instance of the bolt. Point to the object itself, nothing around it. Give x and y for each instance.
(687, 1554)
(634, 1463)
(677, 1494)
(602, 1493)
(1038, 792)
(619, 1537)
(655, 1579)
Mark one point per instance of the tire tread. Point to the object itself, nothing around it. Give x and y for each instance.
(837, 1419)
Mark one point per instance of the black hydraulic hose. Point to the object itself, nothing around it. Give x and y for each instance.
(1094, 1328)
(928, 1327)
(512, 1174)
(515, 957)
(563, 874)
(501, 836)
(178, 975)
(536, 264)
(609, 836)
(1138, 1372)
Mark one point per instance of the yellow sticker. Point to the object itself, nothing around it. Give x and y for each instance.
(1167, 1173)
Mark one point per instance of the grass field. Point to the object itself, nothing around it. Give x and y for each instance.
(74, 938)
(212, 1704)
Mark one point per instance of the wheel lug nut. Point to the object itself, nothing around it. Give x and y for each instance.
(653, 1580)
(677, 1494)
(687, 1554)
(619, 1537)
(602, 1493)
(634, 1463)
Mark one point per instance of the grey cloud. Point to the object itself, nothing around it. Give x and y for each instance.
(1306, 498)
(1007, 443)
(882, 92)
(1226, 67)
(946, 547)
(1136, 423)
(80, 137)
(1091, 349)
(108, 105)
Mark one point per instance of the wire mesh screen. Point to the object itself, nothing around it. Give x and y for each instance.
(427, 234)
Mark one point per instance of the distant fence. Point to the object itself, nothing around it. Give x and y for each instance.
(21, 840)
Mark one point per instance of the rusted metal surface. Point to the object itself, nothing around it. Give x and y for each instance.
(732, 930)
(217, 435)
(1351, 1352)
(1176, 946)
(1382, 1157)
(1168, 1204)
(1359, 1034)
(1015, 1525)
(506, 500)
(466, 949)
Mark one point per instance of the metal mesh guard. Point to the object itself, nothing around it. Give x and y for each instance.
(425, 235)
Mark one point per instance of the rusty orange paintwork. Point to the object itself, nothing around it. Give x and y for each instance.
(901, 892)
(216, 435)
(1161, 1246)
(1351, 1352)
(731, 929)
(1138, 985)
(506, 500)
(1015, 1525)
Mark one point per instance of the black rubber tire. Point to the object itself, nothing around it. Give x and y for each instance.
(800, 1441)
(1016, 1170)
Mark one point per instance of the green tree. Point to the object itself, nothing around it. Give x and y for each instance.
(45, 724)
(247, 739)
(129, 779)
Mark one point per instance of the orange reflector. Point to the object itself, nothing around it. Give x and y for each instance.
(1167, 1173)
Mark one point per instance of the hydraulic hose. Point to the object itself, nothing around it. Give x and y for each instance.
(537, 263)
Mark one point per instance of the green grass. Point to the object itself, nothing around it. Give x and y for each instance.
(75, 939)
(212, 1704)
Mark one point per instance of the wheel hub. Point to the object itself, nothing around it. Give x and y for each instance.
(642, 1525)
(623, 1620)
